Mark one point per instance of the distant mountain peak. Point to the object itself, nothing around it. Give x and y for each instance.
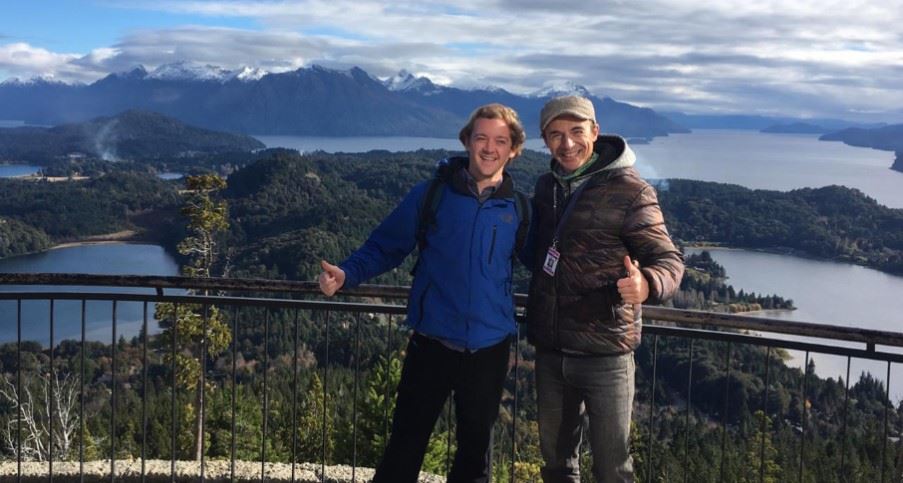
(45, 79)
(561, 88)
(404, 81)
(250, 74)
(190, 71)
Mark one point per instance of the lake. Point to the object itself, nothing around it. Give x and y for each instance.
(748, 158)
(111, 259)
(13, 170)
(824, 292)
(772, 161)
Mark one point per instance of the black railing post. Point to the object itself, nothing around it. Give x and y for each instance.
(19, 390)
(805, 421)
(652, 408)
(325, 400)
(357, 366)
(266, 395)
(764, 425)
(234, 388)
(886, 410)
(81, 397)
(51, 412)
(203, 409)
(295, 400)
(113, 403)
(144, 337)
(516, 397)
(724, 413)
(687, 416)
(386, 394)
(843, 434)
(174, 332)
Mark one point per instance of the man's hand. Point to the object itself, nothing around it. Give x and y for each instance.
(331, 278)
(634, 288)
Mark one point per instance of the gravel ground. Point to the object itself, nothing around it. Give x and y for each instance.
(158, 471)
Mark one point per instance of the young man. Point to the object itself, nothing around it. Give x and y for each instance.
(600, 249)
(461, 307)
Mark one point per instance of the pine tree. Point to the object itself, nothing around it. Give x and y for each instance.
(201, 332)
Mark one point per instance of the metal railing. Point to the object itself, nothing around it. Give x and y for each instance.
(247, 309)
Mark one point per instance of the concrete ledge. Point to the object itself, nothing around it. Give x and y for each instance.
(158, 471)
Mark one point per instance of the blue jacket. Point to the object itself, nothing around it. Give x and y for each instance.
(462, 290)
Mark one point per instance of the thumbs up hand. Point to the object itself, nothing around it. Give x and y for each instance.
(634, 288)
(331, 278)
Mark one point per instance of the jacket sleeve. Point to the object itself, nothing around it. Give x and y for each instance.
(388, 244)
(646, 236)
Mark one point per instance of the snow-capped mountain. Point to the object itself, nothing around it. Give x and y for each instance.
(313, 101)
(249, 74)
(404, 81)
(190, 71)
(36, 80)
(565, 88)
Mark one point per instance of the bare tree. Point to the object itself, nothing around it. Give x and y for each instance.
(31, 412)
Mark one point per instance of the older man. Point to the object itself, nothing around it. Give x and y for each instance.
(602, 250)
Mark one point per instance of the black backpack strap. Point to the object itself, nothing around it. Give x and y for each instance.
(524, 213)
(428, 208)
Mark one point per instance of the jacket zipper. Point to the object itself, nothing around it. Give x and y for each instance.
(492, 244)
(473, 231)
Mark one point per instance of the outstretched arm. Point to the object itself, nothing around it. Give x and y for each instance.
(388, 244)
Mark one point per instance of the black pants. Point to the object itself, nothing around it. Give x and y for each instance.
(431, 371)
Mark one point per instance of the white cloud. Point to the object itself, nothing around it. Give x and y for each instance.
(27, 61)
(823, 57)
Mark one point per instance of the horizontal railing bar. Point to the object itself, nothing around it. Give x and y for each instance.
(202, 283)
(211, 300)
(195, 283)
(771, 342)
(699, 318)
(748, 322)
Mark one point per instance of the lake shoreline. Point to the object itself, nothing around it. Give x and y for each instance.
(123, 236)
(704, 245)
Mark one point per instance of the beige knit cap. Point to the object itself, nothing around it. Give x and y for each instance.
(577, 106)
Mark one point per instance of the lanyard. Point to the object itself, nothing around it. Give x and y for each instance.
(572, 201)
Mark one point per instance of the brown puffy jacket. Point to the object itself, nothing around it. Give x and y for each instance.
(617, 214)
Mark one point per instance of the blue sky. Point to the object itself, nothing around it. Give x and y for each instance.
(794, 57)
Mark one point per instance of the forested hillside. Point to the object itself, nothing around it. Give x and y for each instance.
(127, 135)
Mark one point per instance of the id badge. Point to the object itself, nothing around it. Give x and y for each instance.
(551, 261)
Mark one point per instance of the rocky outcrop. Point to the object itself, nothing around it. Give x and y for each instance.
(898, 163)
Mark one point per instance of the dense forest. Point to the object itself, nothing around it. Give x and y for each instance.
(40, 213)
(286, 211)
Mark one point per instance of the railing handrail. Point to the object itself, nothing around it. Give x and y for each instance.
(870, 337)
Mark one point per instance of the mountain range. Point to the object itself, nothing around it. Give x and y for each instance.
(310, 101)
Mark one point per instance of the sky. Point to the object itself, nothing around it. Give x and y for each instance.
(797, 58)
